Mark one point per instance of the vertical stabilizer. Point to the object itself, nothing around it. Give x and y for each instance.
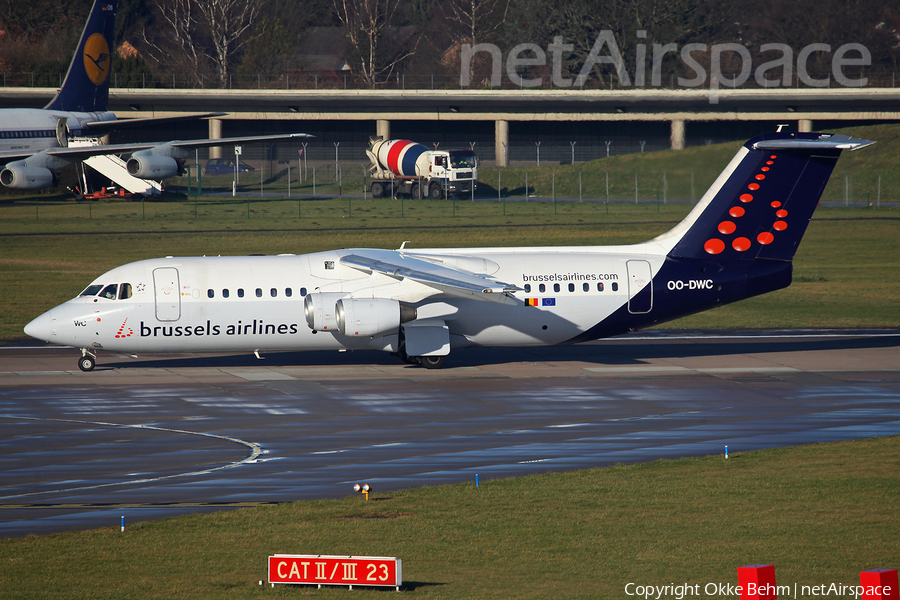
(86, 87)
(762, 203)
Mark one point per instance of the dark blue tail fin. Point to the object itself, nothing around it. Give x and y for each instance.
(86, 87)
(760, 205)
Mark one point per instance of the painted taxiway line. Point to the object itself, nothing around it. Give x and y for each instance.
(255, 451)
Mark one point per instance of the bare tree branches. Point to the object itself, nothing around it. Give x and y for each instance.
(366, 22)
(227, 21)
(197, 33)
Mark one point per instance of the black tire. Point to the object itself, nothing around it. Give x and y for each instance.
(416, 191)
(377, 190)
(435, 192)
(433, 362)
(87, 363)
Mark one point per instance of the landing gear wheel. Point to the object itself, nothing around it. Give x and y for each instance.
(433, 362)
(435, 191)
(87, 363)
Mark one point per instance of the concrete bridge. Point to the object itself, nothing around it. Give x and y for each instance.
(801, 108)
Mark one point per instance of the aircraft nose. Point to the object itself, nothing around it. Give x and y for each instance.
(41, 327)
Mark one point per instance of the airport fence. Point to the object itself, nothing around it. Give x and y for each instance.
(578, 182)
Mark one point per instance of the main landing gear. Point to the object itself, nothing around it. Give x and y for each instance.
(432, 362)
(88, 361)
(429, 362)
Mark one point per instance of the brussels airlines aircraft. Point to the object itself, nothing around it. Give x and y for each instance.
(34, 142)
(737, 242)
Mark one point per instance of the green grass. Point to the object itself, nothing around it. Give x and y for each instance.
(820, 513)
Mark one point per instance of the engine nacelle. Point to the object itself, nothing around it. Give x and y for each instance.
(367, 317)
(26, 178)
(320, 310)
(152, 167)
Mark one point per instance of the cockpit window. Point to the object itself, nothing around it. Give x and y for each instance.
(109, 292)
(92, 290)
(124, 291)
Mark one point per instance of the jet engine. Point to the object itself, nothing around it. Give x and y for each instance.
(367, 317)
(145, 166)
(320, 310)
(26, 178)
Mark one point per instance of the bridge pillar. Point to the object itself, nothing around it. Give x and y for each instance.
(676, 137)
(215, 132)
(383, 129)
(501, 143)
(805, 125)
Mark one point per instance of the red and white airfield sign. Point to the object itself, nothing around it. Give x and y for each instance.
(318, 569)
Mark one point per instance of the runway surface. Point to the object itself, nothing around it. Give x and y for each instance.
(162, 435)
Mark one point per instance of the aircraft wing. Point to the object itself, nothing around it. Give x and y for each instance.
(82, 152)
(451, 281)
(104, 127)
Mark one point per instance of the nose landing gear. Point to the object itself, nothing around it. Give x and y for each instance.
(88, 360)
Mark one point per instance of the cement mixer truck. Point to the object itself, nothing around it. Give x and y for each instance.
(411, 169)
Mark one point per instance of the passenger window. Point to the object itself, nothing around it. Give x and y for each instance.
(600, 287)
(240, 292)
(527, 288)
(615, 287)
(571, 287)
(542, 288)
(288, 292)
(225, 293)
(91, 290)
(109, 292)
(210, 293)
(259, 292)
(555, 287)
(125, 291)
(586, 287)
(273, 292)
(303, 291)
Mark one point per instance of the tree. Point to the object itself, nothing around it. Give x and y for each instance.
(198, 33)
(178, 43)
(227, 22)
(366, 22)
(470, 20)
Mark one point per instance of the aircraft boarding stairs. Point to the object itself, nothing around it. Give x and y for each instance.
(113, 167)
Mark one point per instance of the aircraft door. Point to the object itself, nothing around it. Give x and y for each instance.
(168, 293)
(640, 288)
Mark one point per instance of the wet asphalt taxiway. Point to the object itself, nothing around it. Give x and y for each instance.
(155, 436)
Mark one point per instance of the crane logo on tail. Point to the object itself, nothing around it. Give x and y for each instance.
(97, 59)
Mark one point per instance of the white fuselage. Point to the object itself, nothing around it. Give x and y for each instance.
(35, 129)
(257, 303)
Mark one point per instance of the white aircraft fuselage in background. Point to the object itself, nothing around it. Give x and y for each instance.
(737, 242)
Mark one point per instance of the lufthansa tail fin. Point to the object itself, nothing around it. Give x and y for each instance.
(760, 206)
(86, 87)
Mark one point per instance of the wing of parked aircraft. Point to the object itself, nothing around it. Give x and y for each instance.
(149, 160)
(34, 142)
(104, 127)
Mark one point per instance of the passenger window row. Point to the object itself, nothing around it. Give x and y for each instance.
(273, 292)
(585, 287)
